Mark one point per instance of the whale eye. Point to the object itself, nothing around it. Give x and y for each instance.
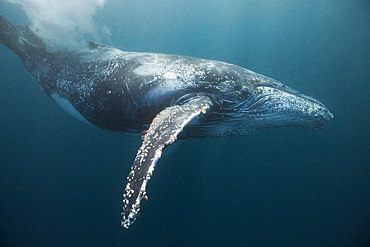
(246, 88)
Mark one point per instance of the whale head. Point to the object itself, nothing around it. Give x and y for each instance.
(272, 104)
(254, 102)
(263, 102)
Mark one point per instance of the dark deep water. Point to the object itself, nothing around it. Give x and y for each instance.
(61, 181)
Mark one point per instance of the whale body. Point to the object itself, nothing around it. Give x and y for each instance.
(164, 97)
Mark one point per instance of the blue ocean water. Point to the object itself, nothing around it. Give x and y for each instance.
(61, 182)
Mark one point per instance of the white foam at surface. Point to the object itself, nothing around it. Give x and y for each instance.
(61, 23)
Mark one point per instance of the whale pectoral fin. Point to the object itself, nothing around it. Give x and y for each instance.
(162, 132)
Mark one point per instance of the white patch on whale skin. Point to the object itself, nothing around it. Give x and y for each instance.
(151, 64)
(68, 107)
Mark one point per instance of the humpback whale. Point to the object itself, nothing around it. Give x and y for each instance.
(162, 97)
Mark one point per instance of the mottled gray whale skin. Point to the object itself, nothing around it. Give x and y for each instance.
(168, 97)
